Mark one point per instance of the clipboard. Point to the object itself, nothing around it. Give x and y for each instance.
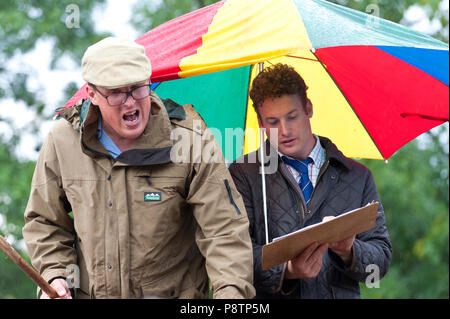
(287, 247)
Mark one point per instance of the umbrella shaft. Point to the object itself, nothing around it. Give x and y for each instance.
(263, 180)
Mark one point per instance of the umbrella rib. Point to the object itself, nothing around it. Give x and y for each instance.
(425, 117)
(339, 88)
(246, 103)
(299, 57)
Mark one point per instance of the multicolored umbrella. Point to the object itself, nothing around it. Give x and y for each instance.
(375, 85)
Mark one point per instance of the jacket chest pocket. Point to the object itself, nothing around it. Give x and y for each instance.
(159, 188)
(157, 202)
(168, 178)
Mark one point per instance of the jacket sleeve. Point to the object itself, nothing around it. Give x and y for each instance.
(222, 235)
(49, 232)
(271, 280)
(372, 250)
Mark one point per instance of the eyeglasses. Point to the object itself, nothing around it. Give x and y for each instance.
(119, 98)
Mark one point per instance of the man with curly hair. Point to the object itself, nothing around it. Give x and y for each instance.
(313, 181)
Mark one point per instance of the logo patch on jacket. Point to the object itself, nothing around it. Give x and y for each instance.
(152, 196)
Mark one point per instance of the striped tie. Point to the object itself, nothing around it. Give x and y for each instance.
(302, 167)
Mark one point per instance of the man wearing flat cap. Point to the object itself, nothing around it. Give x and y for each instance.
(112, 215)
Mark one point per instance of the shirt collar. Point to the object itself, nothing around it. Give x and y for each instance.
(106, 141)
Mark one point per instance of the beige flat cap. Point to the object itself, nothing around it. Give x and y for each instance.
(115, 62)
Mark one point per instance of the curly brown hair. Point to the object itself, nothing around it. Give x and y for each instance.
(275, 81)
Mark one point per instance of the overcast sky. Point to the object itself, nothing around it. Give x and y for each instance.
(114, 18)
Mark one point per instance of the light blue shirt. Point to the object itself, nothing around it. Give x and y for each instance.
(106, 141)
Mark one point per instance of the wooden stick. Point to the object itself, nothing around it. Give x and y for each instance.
(19, 261)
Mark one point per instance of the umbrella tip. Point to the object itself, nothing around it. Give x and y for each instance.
(386, 161)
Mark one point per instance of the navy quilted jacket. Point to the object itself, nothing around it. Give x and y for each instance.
(343, 185)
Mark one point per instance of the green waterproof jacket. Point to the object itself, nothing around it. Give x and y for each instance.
(141, 226)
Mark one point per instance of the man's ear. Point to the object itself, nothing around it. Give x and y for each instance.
(309, 108)
(259, 119)
(91, 94)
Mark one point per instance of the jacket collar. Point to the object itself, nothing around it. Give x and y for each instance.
(333, 153)
(152, 147)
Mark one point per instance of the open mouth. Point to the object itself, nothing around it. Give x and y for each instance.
(131, 118)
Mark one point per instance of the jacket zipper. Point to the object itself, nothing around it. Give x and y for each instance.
(227, 185)
(322, 171)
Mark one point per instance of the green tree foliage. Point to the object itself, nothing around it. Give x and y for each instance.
(414, 189)
(15, 179)
(22, 25)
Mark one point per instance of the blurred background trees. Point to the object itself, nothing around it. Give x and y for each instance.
(414, 185)
(414, 191)
(23, 25)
